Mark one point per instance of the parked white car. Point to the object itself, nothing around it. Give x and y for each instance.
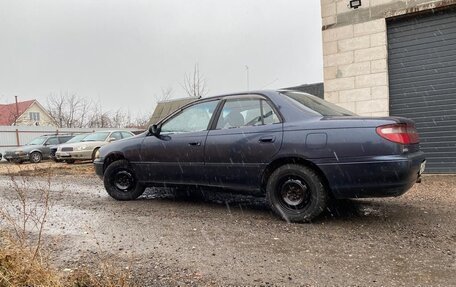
(88, 147)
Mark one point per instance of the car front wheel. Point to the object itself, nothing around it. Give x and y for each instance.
(35, 157)
(121, 182)
(296, 193)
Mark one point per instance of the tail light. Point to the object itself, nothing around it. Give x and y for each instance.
(399, 133)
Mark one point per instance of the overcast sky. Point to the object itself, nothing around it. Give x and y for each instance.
(121, 53)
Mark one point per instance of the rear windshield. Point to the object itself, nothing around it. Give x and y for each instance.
(316, 104)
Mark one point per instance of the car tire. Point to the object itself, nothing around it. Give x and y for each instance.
(69, 161)
(120, 181)
(36, 157)
(296, 193)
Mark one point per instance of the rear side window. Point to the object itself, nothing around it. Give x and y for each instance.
(64, 139)
(52, 141)
(246, 112)
(316, 104)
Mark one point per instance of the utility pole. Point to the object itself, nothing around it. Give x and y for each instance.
(17, 112)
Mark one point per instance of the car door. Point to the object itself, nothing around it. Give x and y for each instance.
(248, 133)
(177, 154)
(50, 143)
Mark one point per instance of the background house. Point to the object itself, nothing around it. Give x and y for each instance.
(396, 57)
(26, 113)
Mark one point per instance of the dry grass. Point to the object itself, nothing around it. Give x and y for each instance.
(44, 168)
(23, 260)
(20, 267)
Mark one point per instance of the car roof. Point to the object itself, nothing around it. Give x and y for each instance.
(287, 110)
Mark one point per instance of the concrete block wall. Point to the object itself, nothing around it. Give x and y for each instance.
(355, 67)
(355, 51)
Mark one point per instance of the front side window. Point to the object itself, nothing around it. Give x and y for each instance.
(193, 119)
(246, 112)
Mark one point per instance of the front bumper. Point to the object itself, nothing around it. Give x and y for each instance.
(16, 157)
(76, 155)
(383, 176)
(99, 170)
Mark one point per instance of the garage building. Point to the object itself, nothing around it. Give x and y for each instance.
(398, 58)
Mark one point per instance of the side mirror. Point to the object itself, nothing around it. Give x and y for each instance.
(111, 139)
(154, 130)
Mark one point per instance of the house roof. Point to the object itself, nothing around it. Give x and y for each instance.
(8, 112)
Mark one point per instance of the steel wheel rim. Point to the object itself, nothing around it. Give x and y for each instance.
(124, 180)
(35, 157)
(294, 193)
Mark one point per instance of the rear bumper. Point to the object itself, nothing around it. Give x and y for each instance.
(384, 176)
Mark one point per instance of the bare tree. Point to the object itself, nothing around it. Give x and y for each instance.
(140, 122)
(166, 94)
(67, 110)
(194, 84)
(72, 111)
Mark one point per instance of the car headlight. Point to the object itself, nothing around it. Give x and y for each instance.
(97, 154)
(81, 147)
(19, 152)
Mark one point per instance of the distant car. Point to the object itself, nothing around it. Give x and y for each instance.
(74, 139)
(36, 150)
(294, 148)
(88, 146)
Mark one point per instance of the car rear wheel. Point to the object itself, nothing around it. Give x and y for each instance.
(35, 157)
(120, 181)
(296, 193)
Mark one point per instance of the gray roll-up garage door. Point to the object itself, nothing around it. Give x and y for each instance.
(422, 79)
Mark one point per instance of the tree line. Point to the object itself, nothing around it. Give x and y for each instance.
(74, 111)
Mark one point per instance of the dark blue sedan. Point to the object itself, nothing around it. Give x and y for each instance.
(294, 148)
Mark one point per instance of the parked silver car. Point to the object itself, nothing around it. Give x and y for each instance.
(36, 150)
(87, 147)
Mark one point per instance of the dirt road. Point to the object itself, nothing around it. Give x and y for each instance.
(224, 240)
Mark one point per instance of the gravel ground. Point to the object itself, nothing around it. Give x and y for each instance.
(236, 240)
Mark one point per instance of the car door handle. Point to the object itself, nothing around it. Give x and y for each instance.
(194, 143)
(267, 139)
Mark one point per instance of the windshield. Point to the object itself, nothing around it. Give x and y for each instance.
(37, 141)
(77, 138)
(316, 104)
(98, 136)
